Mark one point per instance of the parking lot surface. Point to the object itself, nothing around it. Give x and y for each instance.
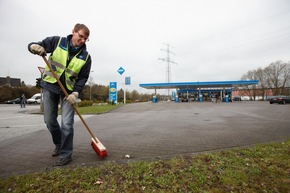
(149, 131)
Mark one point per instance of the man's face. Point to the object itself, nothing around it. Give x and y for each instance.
(79, 38)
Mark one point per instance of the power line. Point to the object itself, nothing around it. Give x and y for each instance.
(257, 43)
(243, 27)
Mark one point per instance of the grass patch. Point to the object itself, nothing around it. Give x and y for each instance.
(97, 109)
(263, 168)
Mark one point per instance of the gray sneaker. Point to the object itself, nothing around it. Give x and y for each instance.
(56, 152)
(63, 161)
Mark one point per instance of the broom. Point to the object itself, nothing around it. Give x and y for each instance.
(96, 144)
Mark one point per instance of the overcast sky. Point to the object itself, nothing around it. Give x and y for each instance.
(210, 40)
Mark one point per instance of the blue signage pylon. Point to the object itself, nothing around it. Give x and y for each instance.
(121, 70)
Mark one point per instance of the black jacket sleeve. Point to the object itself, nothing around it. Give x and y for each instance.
(49, 44)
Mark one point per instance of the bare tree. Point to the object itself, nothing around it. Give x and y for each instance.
(285, 78)
(250, 89)
(261, 77)
(135, 95)
(277, 76)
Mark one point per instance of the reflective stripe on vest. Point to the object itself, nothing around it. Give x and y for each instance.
(58, 61)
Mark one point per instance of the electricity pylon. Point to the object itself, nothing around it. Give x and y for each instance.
(169, 62)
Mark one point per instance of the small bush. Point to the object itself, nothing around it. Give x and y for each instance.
(85, 103)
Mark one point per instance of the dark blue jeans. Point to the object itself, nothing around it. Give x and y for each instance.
(62, 135)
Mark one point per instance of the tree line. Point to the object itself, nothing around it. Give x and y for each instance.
(100, 93)
(91, 92)
(275, 78)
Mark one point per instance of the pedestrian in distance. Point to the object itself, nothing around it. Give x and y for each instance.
(216, 98)
(22, 101)
(72, 63)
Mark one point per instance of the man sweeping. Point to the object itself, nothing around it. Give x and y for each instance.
(72, 63)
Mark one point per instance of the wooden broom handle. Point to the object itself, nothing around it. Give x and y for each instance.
(66, 95)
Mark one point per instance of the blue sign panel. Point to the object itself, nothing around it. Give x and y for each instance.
(121, 70)
(113, 91)
(127, 80)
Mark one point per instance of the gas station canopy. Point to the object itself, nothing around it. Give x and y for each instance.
(197, 85)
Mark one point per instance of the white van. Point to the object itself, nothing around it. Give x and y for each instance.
(35, 99)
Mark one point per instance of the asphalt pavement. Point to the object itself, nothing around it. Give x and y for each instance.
(146, 131)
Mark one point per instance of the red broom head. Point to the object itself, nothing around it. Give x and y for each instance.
(99, 148)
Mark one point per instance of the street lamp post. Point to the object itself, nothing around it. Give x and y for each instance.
(90, 84)
(90, 92)
(124, 93)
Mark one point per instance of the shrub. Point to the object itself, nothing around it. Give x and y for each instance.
(85, 103)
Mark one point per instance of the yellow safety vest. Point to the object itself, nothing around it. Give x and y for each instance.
(58, 60)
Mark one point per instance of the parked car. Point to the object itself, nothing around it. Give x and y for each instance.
(14, 101)
(280, 100)
(35, 99)
(237, 98)
(184, 100)
(245, 98)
